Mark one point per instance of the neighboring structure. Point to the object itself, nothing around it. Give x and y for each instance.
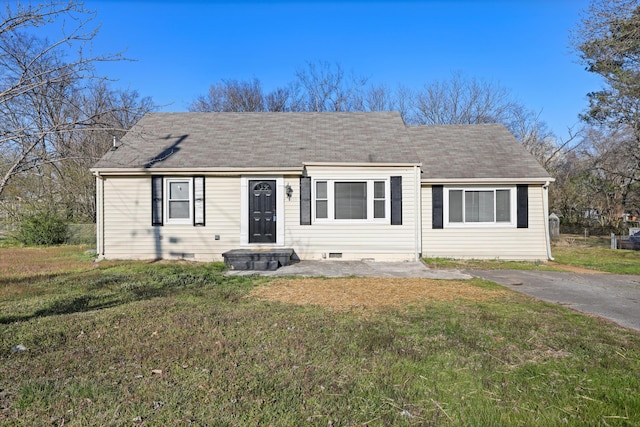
(327, 185)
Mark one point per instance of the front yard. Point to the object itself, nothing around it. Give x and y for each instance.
(571, 253)
(133, 343)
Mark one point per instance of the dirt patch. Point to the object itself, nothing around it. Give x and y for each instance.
(574, 269)
(349, 294)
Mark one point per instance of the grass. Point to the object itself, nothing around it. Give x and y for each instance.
(596, 253)
(592, 252)
(488, 264)
(133, 343)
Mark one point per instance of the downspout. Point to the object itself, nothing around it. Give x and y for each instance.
(545, 213)
(418, 212)
(100, 215)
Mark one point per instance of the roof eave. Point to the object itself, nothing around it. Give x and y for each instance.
(363, 164)
(195, 171)
(476, 181)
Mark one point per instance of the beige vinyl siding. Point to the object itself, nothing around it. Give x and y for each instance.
(508, 243)
(128, 233)
(381, 242)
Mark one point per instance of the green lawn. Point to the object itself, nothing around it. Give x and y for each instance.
(131, 343)
(592, 253)
(596, 253)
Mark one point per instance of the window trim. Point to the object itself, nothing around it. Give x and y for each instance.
(512, 207)
(181, 221)
(370, 181)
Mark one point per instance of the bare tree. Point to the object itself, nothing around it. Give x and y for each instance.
(278, 100)
(56, 114)
(536, 137)
(595, 182)
(379, 98)
(570, 195)
(232, 95)
(56, 173)
(211, 102)
(462, 101)
(614, 170)
(37, 79)
(113, 112)
(404, 99)
(326, 87)
(319, 87)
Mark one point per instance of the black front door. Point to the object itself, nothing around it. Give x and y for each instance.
(262, 211)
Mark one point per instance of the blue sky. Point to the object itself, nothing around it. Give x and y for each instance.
(181, 48)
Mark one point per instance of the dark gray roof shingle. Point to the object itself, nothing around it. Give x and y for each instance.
(472, 151)
(288, 140)
(261, 140)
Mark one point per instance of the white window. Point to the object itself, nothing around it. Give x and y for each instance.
(479, 206)
(322, 204)
(351, 200)
(179, 200)
(379, 199)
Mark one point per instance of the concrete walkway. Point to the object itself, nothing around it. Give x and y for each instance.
(359, 269)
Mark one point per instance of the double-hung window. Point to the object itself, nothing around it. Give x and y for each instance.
(478, 206)
(351, 200)
(179, 201)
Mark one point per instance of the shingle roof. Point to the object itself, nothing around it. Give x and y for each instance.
(472, 151)
(288, 140)
(267, 140)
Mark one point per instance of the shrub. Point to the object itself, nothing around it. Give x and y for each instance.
(42, 228)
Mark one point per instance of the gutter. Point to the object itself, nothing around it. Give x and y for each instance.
(192, 171)
(485, 181)
(361, 164)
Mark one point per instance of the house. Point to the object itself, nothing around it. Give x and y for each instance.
(320, 185)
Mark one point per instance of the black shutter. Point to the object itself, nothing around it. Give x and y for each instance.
(437, 211)
(156, 200)
(523, 206)
(305, 200)
(396, 200)
(198, 200)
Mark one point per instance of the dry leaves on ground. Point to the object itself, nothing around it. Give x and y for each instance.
(347, 294)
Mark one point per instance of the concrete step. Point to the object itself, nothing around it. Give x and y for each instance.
(259, 259)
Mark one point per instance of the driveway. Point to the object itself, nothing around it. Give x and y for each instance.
(614, 297)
